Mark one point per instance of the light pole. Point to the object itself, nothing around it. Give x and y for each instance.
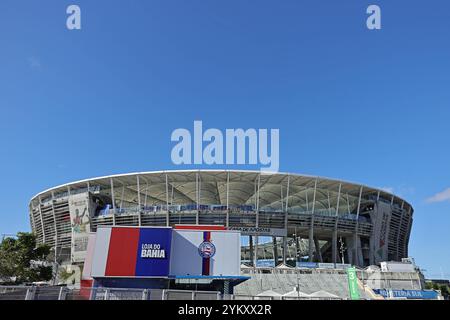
(296, 260)
(342, 249)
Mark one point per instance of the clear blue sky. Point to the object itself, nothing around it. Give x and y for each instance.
(366, 106)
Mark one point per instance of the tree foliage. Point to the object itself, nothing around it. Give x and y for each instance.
(65, 275)
(445, 290)
(22, 261)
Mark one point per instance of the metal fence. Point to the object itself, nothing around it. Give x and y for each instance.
(13, 293)
(64, 293)
(247, 297)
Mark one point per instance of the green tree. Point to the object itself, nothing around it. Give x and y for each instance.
(444, 290)
(64, 275)
(22, 261)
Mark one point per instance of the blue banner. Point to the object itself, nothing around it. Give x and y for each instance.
(409, 294)
(265, 263)
(153, 259)
(306, 265)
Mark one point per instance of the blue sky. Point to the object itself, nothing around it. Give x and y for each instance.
(359, 105)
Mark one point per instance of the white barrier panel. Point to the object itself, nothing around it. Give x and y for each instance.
(205, 253)
(100, 252)
(89, 256)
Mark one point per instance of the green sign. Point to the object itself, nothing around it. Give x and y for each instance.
(353, 283)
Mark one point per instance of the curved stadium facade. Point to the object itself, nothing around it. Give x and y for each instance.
(305, 218)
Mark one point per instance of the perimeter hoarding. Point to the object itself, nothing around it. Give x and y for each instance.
(130, 252)
(408, 294)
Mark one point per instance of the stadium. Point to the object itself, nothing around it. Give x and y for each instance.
(226, 234)
(282, 217)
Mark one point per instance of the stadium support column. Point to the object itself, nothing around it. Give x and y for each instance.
(408, 232)
(167, 201)
(227, 222)
(355, 234)
(197, 196)
(257, 218)
(91, 211)
(285, 220)
(311, 227)
(139, 199)
(399, 230)
(335, 233)
(285, 248)
(275, 250)
(122, 196)
(42, 220)
(251, 255)
(32, 220)
(113, 199)
(318, 252)
(56, 229)
(255, 254)
(257, 201)
(372, 257)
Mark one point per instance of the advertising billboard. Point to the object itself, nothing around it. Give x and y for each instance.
(79, 221)
(379, 238)
(408, 294)
(205, 253)
(132, 252)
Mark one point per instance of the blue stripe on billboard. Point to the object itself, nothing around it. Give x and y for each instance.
(153, 259)
(205, 251)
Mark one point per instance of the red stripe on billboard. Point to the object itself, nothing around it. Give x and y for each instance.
(85, 288)
(123, 249)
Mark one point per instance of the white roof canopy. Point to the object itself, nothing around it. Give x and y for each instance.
(276, 191)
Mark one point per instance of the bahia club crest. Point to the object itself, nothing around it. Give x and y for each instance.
(206, 249)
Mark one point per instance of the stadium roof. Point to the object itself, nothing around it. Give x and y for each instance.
(232, 187)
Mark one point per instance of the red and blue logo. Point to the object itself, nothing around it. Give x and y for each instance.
(139, 252)
(206, 250)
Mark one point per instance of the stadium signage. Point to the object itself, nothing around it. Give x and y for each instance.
(408, 294)
(304, 264)
(152, 251)
(253, 231)
(206, 249)
(220, 148)
(353, 283)
(80, 221)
